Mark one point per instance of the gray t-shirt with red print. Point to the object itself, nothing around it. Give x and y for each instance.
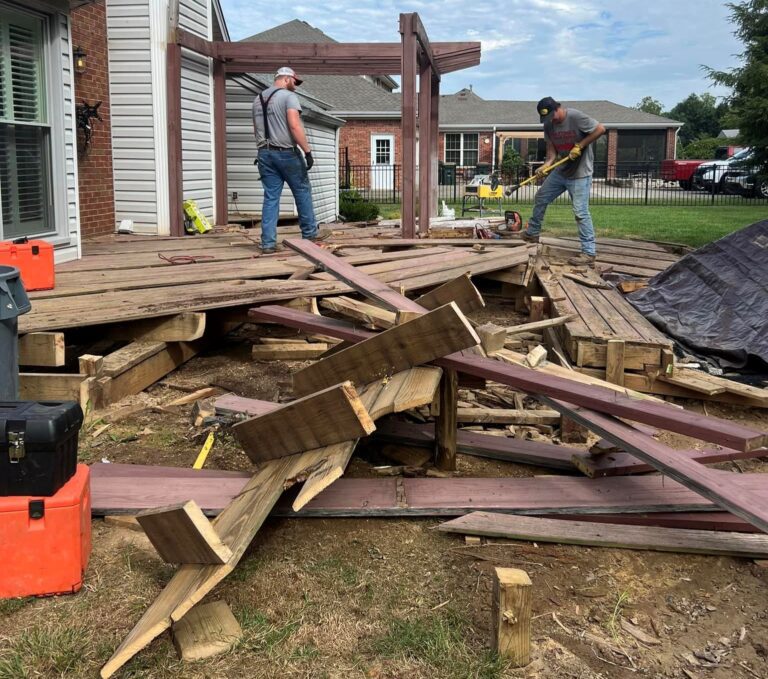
(572, 130)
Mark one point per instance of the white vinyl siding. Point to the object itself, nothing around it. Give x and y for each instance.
(134, 148)
(243, 176)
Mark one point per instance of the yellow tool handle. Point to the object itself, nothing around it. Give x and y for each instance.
(546, 171)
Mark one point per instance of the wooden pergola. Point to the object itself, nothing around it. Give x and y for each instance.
(413, 57)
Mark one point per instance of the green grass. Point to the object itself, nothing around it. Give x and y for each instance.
(261, 635)
(689, 225)
(10, 606)
(438, 642)
(56, 651)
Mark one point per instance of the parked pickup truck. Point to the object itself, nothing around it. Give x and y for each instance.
(681, 171)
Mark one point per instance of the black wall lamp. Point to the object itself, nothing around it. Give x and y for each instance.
(79, 56)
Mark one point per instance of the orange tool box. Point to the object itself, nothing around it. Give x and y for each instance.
(33, 258)
(45, 542)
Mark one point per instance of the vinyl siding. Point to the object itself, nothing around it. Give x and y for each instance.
(134, 152)
(243, 177)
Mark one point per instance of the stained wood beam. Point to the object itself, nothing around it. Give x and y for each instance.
(324, 418)
(425, 144)
(445, 424)
(195, 43)
(709, 483)
(426, 48)
(175, 169)
(408, 126)
(220, 142)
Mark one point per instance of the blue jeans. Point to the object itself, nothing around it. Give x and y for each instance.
(578, 189)
(276, 168)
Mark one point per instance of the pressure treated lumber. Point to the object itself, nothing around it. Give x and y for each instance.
(369, 314)
(725, 491)
(657, 414)
(43, 349)
(182, 534)
(288, 351)
(492, 337)
(436, 333)
(506, 416)
(460, 290)
(445, 424)
(333, 415)
(511, 615)
(183, 327)
(618, 536)
(620, 463)
(207, 630)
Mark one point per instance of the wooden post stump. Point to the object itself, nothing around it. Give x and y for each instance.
(445, 425)
(512, 615)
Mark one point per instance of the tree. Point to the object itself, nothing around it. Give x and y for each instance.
(511, 161)
(650, 105)
(748, 82)
(703, 149)
(701, 114)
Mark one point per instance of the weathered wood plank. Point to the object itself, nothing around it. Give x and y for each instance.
(43, 349)
(609, 535)
(207, 630)
(511, 615)
(182, 534)
(460, 290)
(323, 418)
(436, 333)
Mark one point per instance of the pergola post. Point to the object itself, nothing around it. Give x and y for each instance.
(408, 126)
(175, 176)
(220, 141)
(434, 140)
(425, 146)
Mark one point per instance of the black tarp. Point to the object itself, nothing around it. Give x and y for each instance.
(715, 300)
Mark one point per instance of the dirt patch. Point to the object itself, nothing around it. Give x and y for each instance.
(389, 598)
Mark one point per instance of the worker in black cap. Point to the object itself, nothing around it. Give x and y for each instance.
(570, 132)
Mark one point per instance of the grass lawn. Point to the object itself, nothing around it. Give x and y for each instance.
(690, 225)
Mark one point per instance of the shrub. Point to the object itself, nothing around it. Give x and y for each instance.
(703, 149)
(354, 208)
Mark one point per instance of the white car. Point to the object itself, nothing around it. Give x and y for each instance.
(711, 174)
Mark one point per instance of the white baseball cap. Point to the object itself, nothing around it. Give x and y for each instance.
(287, 70)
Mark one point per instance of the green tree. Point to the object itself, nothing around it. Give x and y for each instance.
(511, 161)
(702, 117)
(650, 105)
(749, 82)
(703, 149)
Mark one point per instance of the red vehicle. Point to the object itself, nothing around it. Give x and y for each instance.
(681, 171)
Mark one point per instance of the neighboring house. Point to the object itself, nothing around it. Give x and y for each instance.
(728, 134)
(475, 130)
(38, 165)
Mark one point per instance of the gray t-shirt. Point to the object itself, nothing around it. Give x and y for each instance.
(277, 116)
(572, 130)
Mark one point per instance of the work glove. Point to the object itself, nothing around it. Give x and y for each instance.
(309, 159)
(575, 152)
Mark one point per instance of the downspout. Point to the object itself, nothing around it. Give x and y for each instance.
(493, 164)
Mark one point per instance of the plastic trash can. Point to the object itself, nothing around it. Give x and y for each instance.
(13, 303)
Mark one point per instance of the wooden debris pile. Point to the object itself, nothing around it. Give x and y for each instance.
(425, 358)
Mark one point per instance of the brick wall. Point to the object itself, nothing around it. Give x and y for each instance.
(613, 147)
(97, 200)
(356, 136)
(485, 151)
(670, 147)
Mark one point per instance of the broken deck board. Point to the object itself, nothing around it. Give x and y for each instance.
(722, 432)
(323, 418)
(618, 536)
(429, 336)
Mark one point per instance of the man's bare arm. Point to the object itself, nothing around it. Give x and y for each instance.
(297, 130)
(598, 132)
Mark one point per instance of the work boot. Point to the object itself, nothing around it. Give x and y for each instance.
(268, 251)
(583, 259)
(529, 238)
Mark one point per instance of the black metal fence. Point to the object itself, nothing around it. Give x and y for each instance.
(634, 183)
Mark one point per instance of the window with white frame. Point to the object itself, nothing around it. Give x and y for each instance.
(461, 148)
(25, 133)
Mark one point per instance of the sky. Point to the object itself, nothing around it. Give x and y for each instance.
(620, 50)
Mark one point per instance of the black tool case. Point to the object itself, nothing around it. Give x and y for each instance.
(38, 446)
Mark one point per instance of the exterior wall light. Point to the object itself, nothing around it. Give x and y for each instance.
(79, 55)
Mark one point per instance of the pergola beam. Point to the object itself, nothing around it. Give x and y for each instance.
(413, 56)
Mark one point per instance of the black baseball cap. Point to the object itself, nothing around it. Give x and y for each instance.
(546, 108)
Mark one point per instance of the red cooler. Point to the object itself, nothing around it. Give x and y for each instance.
(33, 258)
(45, 542)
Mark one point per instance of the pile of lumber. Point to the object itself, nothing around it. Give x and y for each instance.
(425, 367)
